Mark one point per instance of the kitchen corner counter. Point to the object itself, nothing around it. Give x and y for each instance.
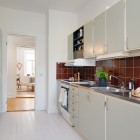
(122, 95)
(127, 96)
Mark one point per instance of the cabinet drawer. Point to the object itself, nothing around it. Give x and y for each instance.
(74, 90)
(74, 97)
(74, 119)
(74, 109)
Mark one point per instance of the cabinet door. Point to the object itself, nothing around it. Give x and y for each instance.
(99, 34)
(122, 120)
(133, 23)
(70, 47)
(91, 114)
(115, 27)
(88, 40)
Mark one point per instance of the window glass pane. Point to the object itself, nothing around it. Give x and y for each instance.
(29, 63)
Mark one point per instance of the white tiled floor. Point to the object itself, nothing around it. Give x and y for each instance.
(35, 126)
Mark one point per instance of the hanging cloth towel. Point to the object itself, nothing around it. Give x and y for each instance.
(63, 97)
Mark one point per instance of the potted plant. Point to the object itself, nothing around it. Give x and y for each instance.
(102, 76)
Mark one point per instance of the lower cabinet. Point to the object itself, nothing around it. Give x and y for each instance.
(74, 99)
(91, 114)
(122, 120)
(102, 117)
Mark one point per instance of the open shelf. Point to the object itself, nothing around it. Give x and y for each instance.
(78, 39)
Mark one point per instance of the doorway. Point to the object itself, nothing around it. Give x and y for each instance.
(21, 73)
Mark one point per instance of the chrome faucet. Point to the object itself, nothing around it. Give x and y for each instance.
(122, 85)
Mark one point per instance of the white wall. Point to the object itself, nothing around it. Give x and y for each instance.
(61, 24)
(32, 24)
(0, 69)
(92, 9)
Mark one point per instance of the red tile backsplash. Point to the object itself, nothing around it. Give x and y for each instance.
(63, 72)
(136, 61)
(130, 62)
(129, 72)
(122, 62)
(124, 68)
(116, 63)
(137, 73)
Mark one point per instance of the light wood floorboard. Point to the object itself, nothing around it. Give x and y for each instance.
(24, 94)
(33, 125)
(18, 104)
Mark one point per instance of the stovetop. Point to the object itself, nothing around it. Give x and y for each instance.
(81, 82)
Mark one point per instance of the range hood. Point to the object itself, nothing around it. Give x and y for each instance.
(81, 62)
(134, 52)
(113, 55)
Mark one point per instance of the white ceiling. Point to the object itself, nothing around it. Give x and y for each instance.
(42, 5)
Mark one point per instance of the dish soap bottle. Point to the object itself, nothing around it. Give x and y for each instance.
(131, 84)
(78, 76)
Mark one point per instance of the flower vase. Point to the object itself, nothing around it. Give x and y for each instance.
(102, 82)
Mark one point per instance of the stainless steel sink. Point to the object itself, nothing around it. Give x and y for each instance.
(110, 89)
(84, 82)
(81, 82)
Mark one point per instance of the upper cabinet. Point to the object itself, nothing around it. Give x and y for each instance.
(115, 28)
(99, 34)
(70, 47)
(88, 40)
(78, 43)
(112, 32)
(133, 24)
(109, 30)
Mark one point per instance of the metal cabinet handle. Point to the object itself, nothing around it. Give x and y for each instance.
(106, 103)
(126, 44)
(106, 51)
(104, 48)
(89, 96)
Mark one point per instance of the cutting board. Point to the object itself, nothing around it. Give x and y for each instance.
(136, 95)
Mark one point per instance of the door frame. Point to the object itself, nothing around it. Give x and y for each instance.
(5, 68)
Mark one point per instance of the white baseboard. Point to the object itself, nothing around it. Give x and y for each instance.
(10, 96)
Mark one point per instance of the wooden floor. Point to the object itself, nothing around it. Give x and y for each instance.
(25, 94)
(20, 104)
(31, 125)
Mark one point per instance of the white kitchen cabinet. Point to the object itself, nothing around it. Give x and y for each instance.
(115, 27)
(74, 105)
(70, 47)
(133, 24)
(88, 40)
(99, 34)
(122, 120)
(91, 114)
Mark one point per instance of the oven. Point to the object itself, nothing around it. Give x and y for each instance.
(65, 87)
(65, 106)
